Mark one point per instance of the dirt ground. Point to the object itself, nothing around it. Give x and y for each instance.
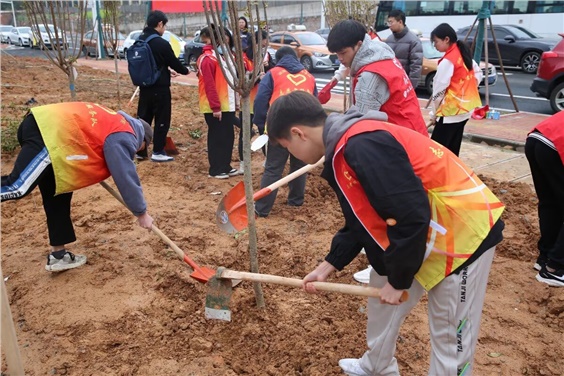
(134, 310)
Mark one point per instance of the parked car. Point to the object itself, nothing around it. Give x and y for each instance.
(549, 82)
(168, 36)
(4, 31)
(90, 42)
(192, 51)
(42, 35)
(310, 47)
(324, 32)
(431, 60)
(518, 46)
(19, 36)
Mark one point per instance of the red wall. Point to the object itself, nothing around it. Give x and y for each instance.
(191, 6)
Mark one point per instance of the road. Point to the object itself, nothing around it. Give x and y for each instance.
(499, 95)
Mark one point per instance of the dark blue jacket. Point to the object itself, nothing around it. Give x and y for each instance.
(261, 105)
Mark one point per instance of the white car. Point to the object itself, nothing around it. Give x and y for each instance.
(168, 36)
(4, 31)
(19, 36)
(40, 37)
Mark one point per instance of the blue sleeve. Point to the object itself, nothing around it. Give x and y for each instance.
(262, 100)
(119, 150)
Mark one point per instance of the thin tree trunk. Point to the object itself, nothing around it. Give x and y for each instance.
(116, 65)
(71, 77)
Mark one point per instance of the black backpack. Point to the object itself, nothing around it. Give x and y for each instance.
(141, 63)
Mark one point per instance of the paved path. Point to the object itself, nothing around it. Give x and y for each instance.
(504, 161)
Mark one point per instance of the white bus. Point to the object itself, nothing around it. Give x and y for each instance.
(545, 18)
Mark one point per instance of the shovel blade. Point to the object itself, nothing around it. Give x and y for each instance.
(170, 147)
(218, 298)
(231, 214)
(203, 274)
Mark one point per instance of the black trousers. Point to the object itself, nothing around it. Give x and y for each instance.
(155, 103)
(449, 135)
(221, 137)
(276, 158)
(548, 177)
(29, 174)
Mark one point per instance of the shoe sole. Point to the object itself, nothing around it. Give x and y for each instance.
(60, 268)
(550, 282)
(169, 160)
(219, 177)
(537, 267)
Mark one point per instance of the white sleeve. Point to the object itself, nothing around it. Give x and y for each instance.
(477, 72)
(441, 82)
(341, 73)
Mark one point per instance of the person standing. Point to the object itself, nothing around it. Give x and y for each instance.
(406, 46)
(289, 75)
(243, 31)
(426, 221)
(217, 103)
(155, 102)
(68, 146)
(544, 150)
(455, 88)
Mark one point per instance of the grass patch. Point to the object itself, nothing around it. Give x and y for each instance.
(9, 135)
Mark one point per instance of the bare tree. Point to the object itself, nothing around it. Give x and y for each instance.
(111, 35)
(242, 82)
(359, 10)
(67, 27)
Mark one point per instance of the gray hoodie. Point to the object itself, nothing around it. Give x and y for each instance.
(409, 52)
(371, 90)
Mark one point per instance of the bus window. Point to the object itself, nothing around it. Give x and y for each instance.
(434, 8)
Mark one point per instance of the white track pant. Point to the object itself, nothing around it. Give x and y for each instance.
(455, 308)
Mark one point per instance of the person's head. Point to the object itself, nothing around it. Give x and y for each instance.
(284, 51)
(295, 121)
(148, 133)
(157, 20)
(205, 35)
(229, 38)
(345, 39)
(243, 24)
(263, 35)
(396, 20)
(444, 36)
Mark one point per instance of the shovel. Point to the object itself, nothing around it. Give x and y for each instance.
(231, 214)
(200, 274)
(220, 290)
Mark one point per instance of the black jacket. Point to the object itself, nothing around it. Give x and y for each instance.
(164, 57)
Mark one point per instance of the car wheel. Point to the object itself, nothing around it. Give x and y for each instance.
(192, 63)
(557, 98)
(8, 41)
(429, 83)
(84, 51)
(530, 62)
(307, 63)
(20, 43)
(125, 53)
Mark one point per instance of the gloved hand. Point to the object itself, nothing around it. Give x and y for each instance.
(325, 94)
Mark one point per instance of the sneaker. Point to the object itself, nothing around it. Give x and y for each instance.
(362, 251)
(363, 276)
(140, 157)
(233, 172)
(555, 278)
(352, 367)
(541, 261)
(161, 157)
(223, 175)
(68, 261)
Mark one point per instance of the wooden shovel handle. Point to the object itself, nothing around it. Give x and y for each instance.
(342, 288)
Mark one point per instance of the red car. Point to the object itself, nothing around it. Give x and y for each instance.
(549, 82)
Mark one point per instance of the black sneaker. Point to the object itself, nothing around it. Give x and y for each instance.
(540, 263)
(555, 278)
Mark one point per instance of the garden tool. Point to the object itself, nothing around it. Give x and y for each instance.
(231, 214)
(200, 274)
(220, 290)
(325, 93)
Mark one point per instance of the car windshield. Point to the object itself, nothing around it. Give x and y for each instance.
(430, 52)
(24, 29)
(311, 39)
(51, 29)
(522, 33)
(6, 28)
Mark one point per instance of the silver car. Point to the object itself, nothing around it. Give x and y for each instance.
(4, 31)
(20, 36)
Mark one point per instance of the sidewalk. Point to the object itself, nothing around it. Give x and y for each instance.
(491, 147)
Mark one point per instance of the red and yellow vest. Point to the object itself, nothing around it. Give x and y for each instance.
(553, 129)
(402, 107)
(249, 68)
(225, 94)
(463, 209)
(462, 94)
(285, 82)
(74, 134)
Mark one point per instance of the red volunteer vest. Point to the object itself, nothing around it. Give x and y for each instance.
(286, 82)
(553, 129)
(403, 106)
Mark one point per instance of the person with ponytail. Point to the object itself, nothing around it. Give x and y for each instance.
(455, 88)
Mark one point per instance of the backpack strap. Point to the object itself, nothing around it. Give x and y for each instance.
(149, 38)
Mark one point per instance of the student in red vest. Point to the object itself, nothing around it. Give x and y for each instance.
(426, 221)
(68, 146)
(289, 75)
(218, 104)
(379, 81)
(455, 88)
(545, 152)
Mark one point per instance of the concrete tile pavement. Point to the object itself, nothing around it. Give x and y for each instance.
(504, 161)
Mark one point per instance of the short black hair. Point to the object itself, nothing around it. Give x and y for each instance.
(263, 33)
(283, 51)
(398, 15)
(230, 36)
(298, 107)
(345, 34)
(155, 17)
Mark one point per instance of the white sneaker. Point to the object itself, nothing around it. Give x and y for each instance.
(69, 261)
(362, 251)
(223, 175)
(158, 157)
(363, 276)
(352, 367)
(233, 172)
